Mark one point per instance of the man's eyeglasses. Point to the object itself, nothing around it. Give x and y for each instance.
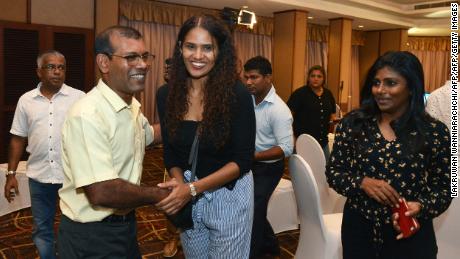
(52, 67)
(134, 59)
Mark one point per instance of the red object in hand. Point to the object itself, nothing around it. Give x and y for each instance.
(408, 224)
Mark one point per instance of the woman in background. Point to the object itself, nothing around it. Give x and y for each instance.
(313, 108)
(386, 150)
(205, 97)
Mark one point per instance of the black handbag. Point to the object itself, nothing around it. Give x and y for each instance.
(183, 218)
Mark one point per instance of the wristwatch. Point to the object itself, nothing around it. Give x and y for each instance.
(192, 190)
(10, 173)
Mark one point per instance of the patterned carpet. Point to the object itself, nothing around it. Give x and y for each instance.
(16, 228)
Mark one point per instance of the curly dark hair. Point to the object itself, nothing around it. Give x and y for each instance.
(219, 86)
(414, 118)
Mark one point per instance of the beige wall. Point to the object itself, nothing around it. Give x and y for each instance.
(339, 61)
(13, 10)
(393, 40)
(72, 13)
(298, 71)
(106, 14)
(289, 42)
(368, 53)
(63, 13)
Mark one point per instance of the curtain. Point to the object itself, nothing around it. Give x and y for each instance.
(429, 43)
(315, 54)
(159, 40)
(317, 32)
(435, 67)
(316, 48)
(175, 14)
(249, 45)
(434, 54)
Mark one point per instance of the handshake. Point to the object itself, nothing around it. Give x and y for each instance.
(160, 193)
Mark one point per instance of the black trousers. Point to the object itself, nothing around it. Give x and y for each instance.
(113, 238)
(266, 178)
(357, 240)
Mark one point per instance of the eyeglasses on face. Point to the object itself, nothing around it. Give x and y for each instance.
(134, 59)
(52, 67)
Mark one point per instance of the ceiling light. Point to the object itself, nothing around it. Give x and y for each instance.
(246, 17)
(439, 14)
(310, 17)
(360, 26)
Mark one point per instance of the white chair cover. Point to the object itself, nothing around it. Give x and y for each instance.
(319, 234)
(310, 150)
(282, 208)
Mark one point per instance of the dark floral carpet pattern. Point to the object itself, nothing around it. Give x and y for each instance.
(16, 228)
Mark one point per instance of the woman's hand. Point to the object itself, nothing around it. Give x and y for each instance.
(380, 191)
(413, 209)
(179, 196)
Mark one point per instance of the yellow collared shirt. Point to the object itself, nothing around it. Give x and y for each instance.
(103, 138)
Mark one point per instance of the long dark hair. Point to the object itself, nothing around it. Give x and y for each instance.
(218, 91)
(414, 118)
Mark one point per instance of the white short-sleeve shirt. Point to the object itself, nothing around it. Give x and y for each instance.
(40, 120)
(438, 104)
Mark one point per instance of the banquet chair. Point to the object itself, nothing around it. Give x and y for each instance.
(310, 150)
(319, 234)
(282, 208)
(338, 112)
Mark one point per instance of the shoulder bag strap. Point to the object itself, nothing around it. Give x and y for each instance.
(193, 157)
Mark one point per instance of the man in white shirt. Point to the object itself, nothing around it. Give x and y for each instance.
(439, 107)
(274, 142)
(438, 104)
(38, 121)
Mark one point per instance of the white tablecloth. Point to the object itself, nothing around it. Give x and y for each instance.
(330, 138)
(282, 208)
(20, 201)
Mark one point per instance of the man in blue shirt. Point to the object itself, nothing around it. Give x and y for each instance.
(274, 142)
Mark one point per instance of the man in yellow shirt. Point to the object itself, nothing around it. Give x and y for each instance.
(103, 145)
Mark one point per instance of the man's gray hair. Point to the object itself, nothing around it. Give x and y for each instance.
(46, 53)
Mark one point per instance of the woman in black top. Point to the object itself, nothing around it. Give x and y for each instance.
(313, 107)
(205, 97)
(389, 149)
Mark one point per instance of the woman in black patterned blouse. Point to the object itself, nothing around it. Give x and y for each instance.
(389, 149)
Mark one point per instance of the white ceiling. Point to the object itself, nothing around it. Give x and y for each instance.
(372, 14)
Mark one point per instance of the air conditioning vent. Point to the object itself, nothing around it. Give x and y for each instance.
(434, 5)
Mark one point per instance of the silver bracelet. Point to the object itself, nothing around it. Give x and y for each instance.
(10, 173)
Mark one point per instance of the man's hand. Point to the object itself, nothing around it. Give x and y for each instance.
(177, 199)
(161, 193)
(11, 183)
(380, 191)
